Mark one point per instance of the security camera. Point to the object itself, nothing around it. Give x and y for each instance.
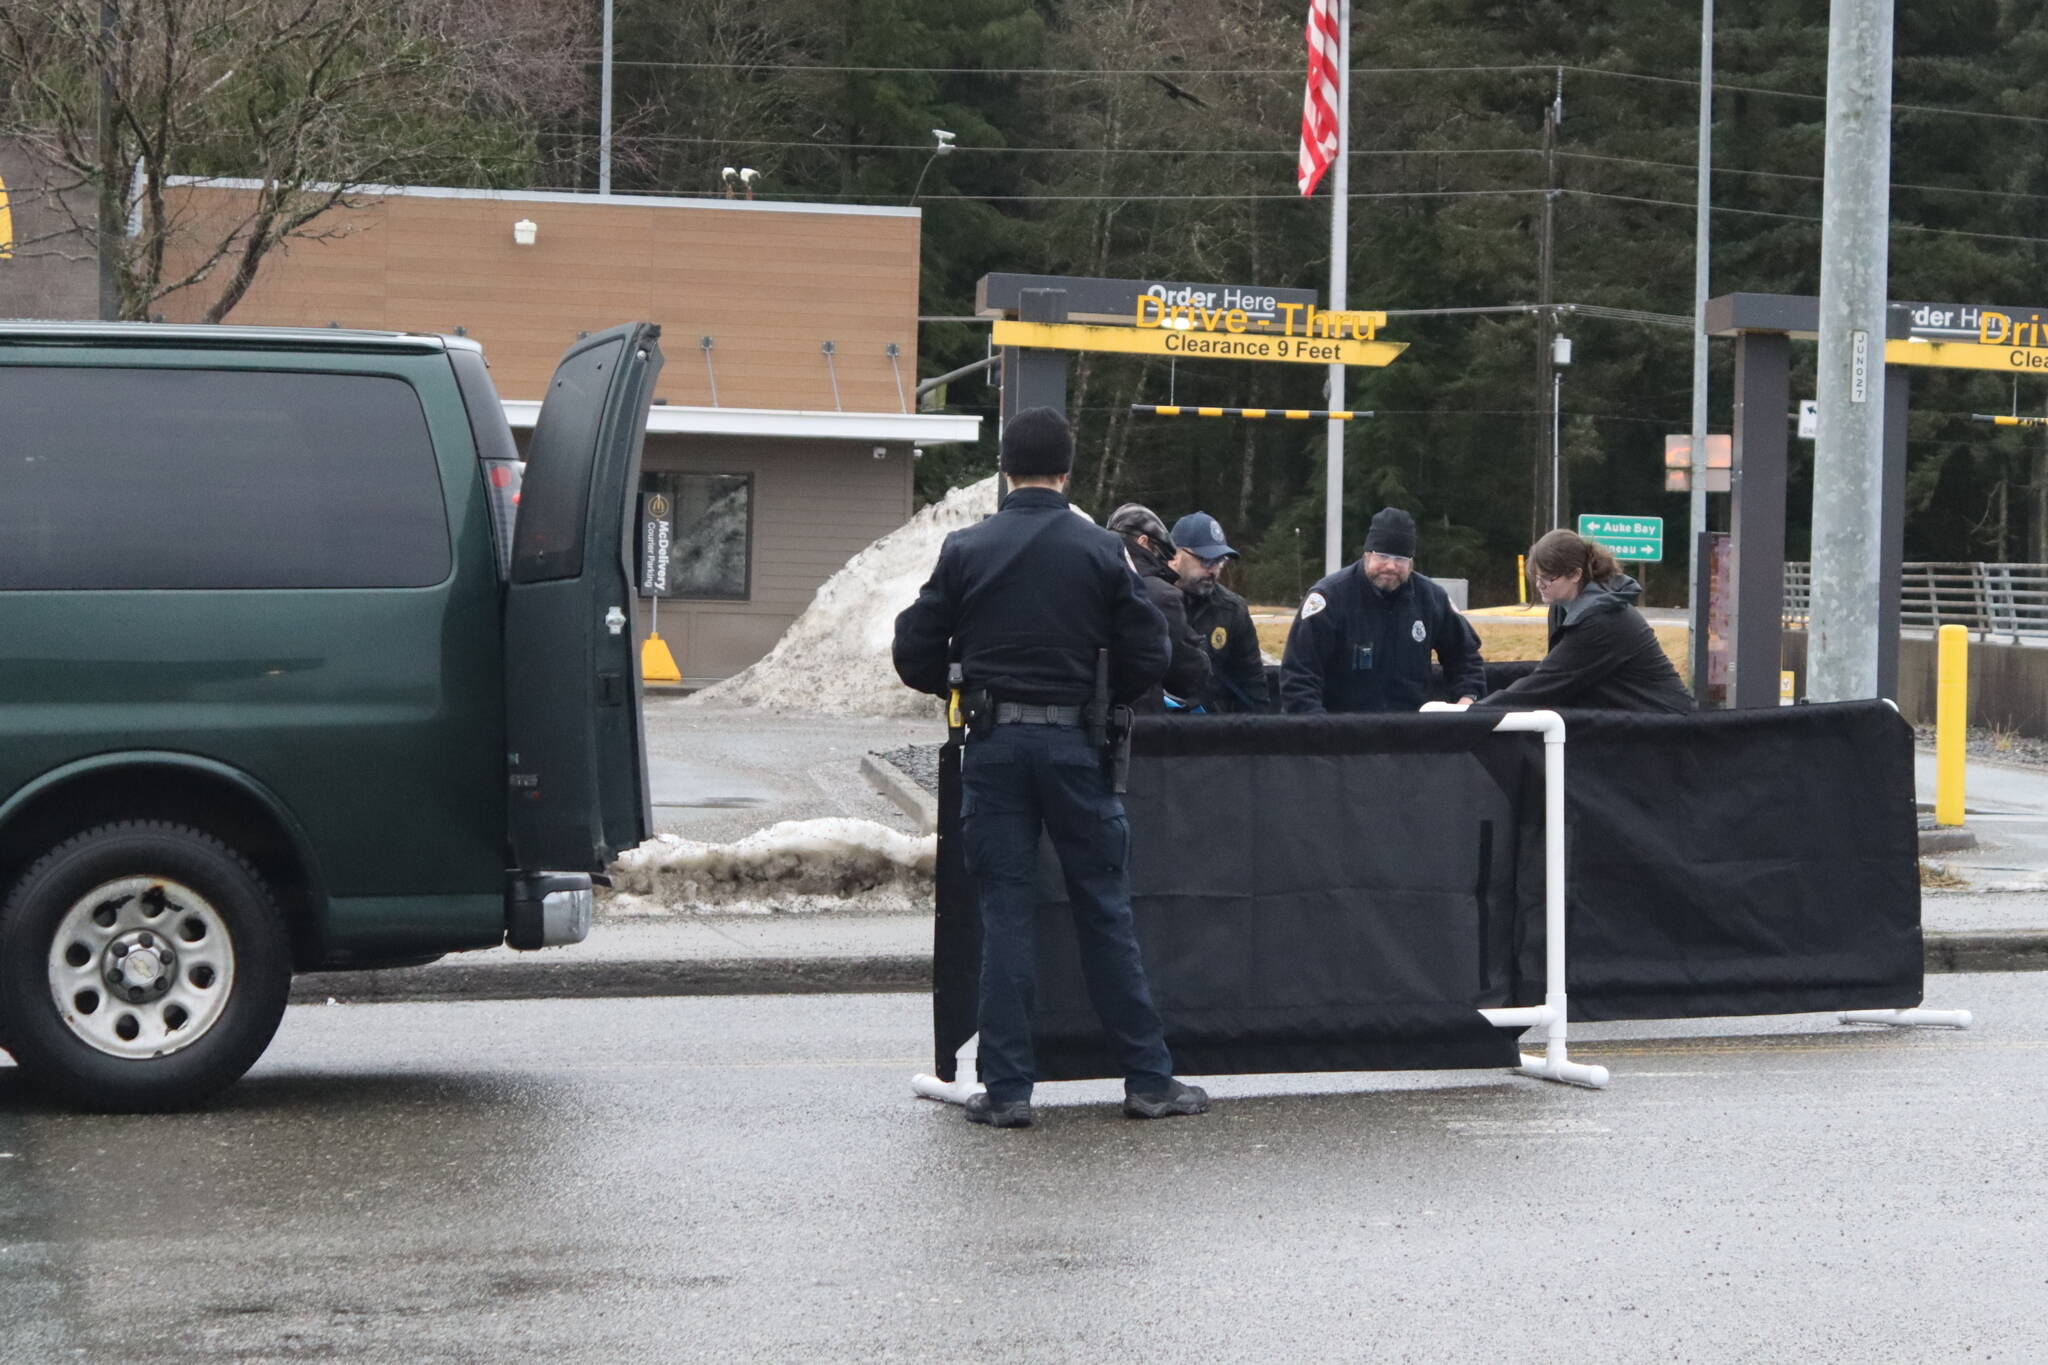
(945, 142)
(749, 177)
(731, 178)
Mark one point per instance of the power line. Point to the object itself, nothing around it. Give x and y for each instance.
(1275, 153)
(1290, 197)
(1182, 72)
(1806, 218)
(1047, 151)
(1171, 71)
(1788, 175)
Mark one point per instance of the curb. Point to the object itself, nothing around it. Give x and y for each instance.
(2023, 950)
(902, 789)
(1946, 839)
(2018, 950)
(453, 980)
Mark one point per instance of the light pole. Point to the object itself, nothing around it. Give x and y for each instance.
(604, 110)
(1560, 357)
(1702, 233)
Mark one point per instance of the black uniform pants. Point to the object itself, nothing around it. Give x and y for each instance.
(1015, 781)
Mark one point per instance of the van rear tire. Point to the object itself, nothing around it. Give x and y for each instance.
(144, 966)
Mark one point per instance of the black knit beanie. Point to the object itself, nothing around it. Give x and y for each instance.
(1038, 443)
(1392, 533)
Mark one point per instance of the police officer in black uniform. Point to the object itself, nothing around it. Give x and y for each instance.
(1024, 601)
(1363, 637)
(1219, 618)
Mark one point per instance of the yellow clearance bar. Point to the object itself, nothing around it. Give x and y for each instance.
(1198, 345)
(1967, 355)
(1292, 414)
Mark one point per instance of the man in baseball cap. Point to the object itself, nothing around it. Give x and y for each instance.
(1219, 617)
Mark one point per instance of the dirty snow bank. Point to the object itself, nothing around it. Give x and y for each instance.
(797, 866)
(834, 659)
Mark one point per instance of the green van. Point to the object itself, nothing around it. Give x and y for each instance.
(285, 685)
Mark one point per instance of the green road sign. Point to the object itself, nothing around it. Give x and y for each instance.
(1635, 538)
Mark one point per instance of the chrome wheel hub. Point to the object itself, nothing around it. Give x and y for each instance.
(140, 967)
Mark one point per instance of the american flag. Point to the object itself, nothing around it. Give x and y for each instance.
(1319, 105)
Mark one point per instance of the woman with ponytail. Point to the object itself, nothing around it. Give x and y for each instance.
(1603, 654)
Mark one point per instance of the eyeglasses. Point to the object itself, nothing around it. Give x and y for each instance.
(1543, 580)
(1213, 564)
(1376, 556)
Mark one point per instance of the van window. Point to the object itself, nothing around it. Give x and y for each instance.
(547, 540)
(165, 478)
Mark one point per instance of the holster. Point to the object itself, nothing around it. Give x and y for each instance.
(979, 711)
(1116, 757)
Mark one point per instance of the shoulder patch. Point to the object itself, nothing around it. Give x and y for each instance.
(1419, 631)
(1218, 638)
(1312, 604)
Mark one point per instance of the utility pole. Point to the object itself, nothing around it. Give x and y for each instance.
(1546, 316)
(604, 110)
(1702, 238)
(1848, 461)
(113, 221)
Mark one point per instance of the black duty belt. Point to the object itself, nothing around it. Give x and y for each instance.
(1019, 713)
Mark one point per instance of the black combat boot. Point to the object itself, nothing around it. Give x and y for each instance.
(1177, 1098)
(1015, 1114)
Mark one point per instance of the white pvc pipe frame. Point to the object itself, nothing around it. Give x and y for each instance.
(1554, 1064)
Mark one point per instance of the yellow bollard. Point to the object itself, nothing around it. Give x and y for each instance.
(1522, 580)
(1951, 721)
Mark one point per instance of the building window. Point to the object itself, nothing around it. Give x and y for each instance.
(711, 551)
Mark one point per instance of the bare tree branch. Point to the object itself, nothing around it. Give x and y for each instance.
(310, 99)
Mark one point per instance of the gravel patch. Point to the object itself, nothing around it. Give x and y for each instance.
(918, 762)
(1993, 746)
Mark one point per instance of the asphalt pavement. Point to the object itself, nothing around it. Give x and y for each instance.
(749, 1179)
(718, 773)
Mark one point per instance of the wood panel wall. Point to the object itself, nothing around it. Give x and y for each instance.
(769, 288)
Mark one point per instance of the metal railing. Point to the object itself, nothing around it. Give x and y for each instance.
(1990, 599)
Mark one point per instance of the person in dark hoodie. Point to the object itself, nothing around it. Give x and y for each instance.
(1148, 549)
(1603, 654)
(1363, 636)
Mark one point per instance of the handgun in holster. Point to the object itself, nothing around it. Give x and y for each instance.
(1108, 727)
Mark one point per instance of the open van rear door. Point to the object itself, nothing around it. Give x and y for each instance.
(576, 762)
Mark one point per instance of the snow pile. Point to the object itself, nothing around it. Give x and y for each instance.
(834, 659)
(796, 866)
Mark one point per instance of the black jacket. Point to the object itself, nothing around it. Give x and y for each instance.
(1028, 596)
(1237, 670)
(1187, 675)
(1355, 648)
(1603, 655)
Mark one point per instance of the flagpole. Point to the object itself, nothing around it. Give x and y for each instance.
(1340, 233)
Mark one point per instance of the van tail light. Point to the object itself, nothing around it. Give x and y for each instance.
(502, 479)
